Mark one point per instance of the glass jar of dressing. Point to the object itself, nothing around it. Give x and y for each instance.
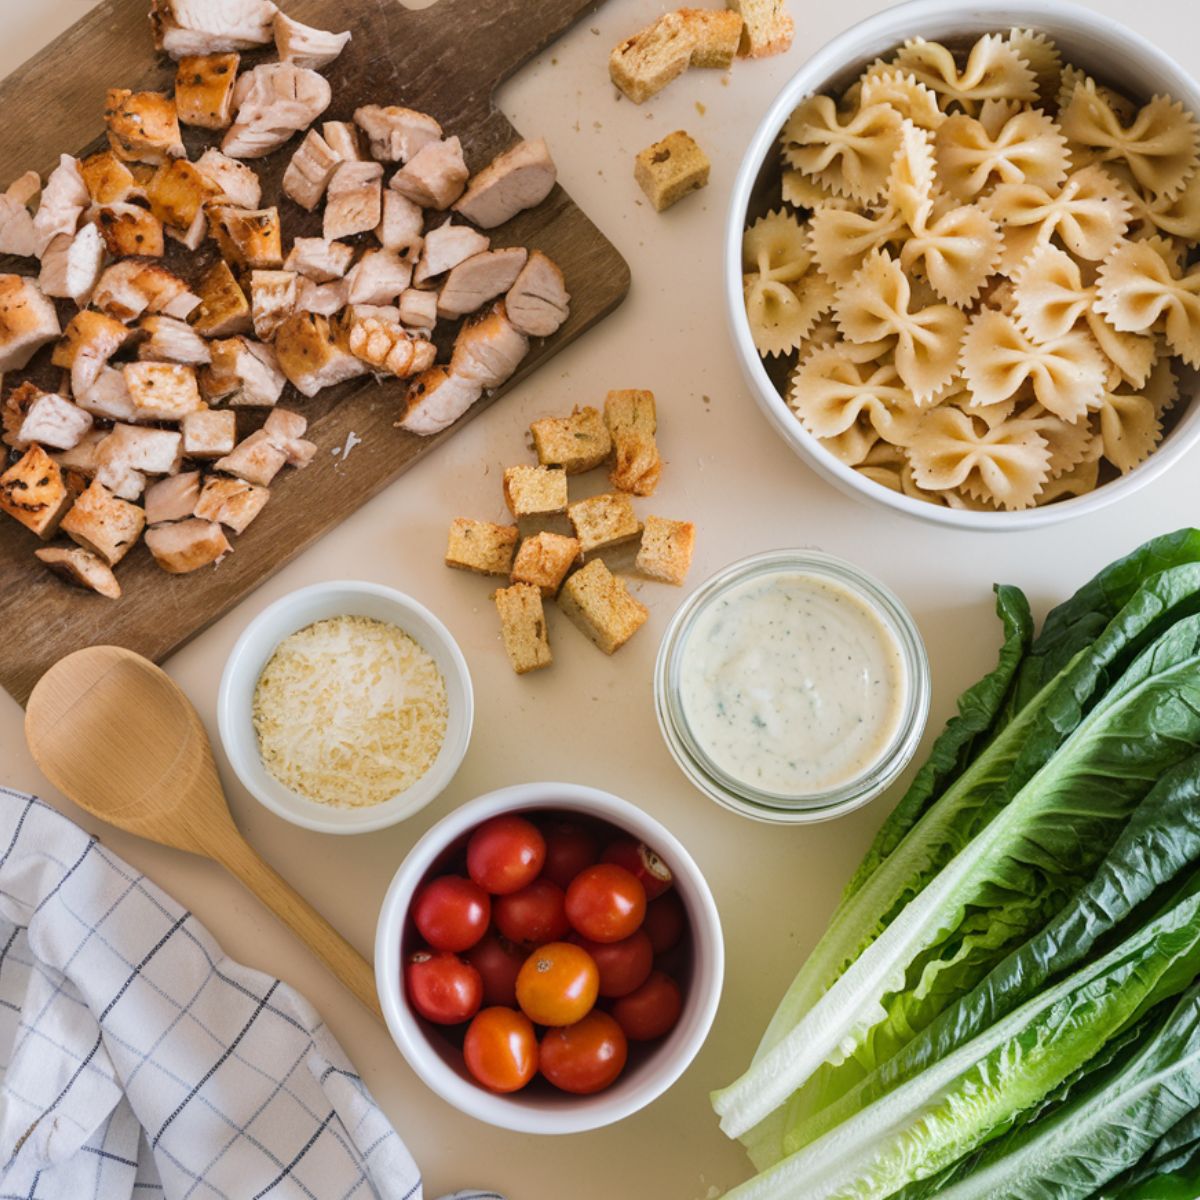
(791, 687)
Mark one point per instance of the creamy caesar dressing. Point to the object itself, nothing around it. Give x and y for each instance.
(792, 684)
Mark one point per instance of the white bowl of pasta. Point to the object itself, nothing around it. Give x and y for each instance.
(961, 261)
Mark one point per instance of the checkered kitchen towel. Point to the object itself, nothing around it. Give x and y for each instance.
(139, 1062)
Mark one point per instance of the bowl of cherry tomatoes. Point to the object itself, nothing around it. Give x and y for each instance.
(549, 958)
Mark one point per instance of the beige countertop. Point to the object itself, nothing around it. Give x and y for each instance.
(590, 719)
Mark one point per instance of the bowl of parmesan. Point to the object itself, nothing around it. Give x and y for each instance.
(345, 707)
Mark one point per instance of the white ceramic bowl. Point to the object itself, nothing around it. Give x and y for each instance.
(254, 648)
(538, 1108)
(1100, 45)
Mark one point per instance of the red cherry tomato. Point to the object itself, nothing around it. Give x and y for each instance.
(498, 962)
(501, 1049)
(441, 987)
(665, 921)
(569, 848)
(505, 854)
(535, 915)
(605, 903)
(624, 966)
(585, 1057)
(558, 984)
(452, 913)
(652, 1010)
(642, 863)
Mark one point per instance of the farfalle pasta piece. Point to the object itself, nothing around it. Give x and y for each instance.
(993, 71)
(1043, 57)
(1024, 147)
(853, 445)
(883, 465)
(1076, 482)
(1173, 216)
(1069, 442)
(1067, 374)
(1072, 77)
(800, 191)
(884, 84)
(1130, 420)
(840, 239)
(957, 250)
(851, 157)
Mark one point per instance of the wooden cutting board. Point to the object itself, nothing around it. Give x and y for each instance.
(447, 60)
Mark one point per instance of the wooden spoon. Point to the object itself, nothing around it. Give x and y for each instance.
(114, 733)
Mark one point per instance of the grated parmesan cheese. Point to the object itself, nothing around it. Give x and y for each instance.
(349, 712)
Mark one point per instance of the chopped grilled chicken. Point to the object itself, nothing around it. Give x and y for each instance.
(169, 340)
(142, 126)
(244, 373)
(71, 265)
(418, 310)
(256, 459)
(400, 225)
(538, 301)
(139, 448)
(223, 309)
(386, 346)
(109, 180)
(354, 199)
(82, 568)
(378, 277)
(162, 391)
(305, 46)
(286, 429)
(272, 300)
(488, 348)
(435, 176)
(103, 523)
(323, 298)
(310, 356)
(274, 101)
(128, 289)
(396, 134)
(129, 229)
(124, 481)
(16, 405)
(236, 182)
(193, 236)
(479, 279)
(210, 26)
(383, 312)
(17, 233)
(81, 458)
(53, 421)
(28, 321)
(204, 89)
(178, 193)
(182, 546)
(172, 498)
(445, 247)
(89, 341)
(25, 187)
(248, 239)
(64, 198)
(32, 491)
(107, 395)
(209, 434)
(309, 172)
(435, 400)
(231, 502)
(319, 259)
(344, 139)
(518, 179)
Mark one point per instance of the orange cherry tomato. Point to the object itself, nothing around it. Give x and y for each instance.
(501, 1049)
(585, 1057)
(605, 903)
(558, 984)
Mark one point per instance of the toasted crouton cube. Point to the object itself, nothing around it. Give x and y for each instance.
(223, 309)
(129, 229)
(257, 459)
(644, 64)
(204, 89)
(187, 545)
(178, 192)
(666, 550)
(535, 491)
(523, 627)
(32, 490)
(603, 521)
(481, 547)
(598, 603)
(768, 27)
(231, 502)
(576, 443)
(668, 170)
(544, 561)
(631, 419)
(142, 126)
(104, 524)
(209, 433)
(716, 34)
(82, 568)
(247, 239)
(162, 391)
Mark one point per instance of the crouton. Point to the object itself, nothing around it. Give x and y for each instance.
(82, 568)
(256, 459)
(187, 545)
(630, 416)
(767, 26)
(104, 524)
(172, 498)
(666, 550)
(641, 66)
(209, 433)
(668, 170)
(603, 521)
(544, 560)
(231, 502)
(32, 491)
(142, 126)
(535, 491)
(129, 229)
(247, 239)
(480, 546)
(204, 89)
(576, 443)
(162, 391)
(223, 309)
(716, 35)
(523, 627)
(597, 602)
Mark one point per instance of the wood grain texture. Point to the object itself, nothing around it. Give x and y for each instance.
(446, 60)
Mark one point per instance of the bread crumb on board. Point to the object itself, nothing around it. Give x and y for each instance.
(668, 170)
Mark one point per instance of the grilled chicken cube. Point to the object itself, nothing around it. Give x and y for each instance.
(345, 140)
(256, 459)
(128, 289)
(140, 448)
(25, 187)
(204, 89)
(103, 523)
(81, 458)
(418, 310)
(308, 174)
(142, 126)
(89, 341)
(323, 298)
(305, 46)
(71, 265)
(435, 176)
(184, 27)
(169, 340)
(244, 373)
(54, 421)
(286, 429)
(107, 396)
(378, 277)
(274, 101)
(178, 193)
(479, 279)
(223, 309)
(82, 568)
(235, 182)
(172, 498)
(520, 178)
(386, 346)
(538, 301)
(310, 356)
(445, 247)
(354, 200)
(230, 502)
(488, 348)
(396, 134)
(28, 321)
(272, 300)
(17, 233)
(210, 433)
(109, 180)
(400, 227)
(248, 239)
(32, 490)
(64, 198)
(15, 408)
(435, 400)
(182, 546)
(192, 238)
(318, 259)
(162, 391)
(129, 230)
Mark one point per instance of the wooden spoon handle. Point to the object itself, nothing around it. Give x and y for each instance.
(237, 857)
